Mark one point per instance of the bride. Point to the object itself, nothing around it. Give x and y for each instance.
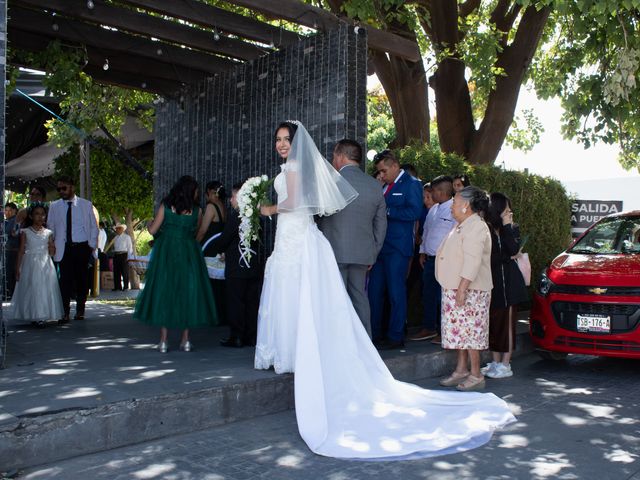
(347, 403)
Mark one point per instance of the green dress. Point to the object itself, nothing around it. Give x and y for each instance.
(177, 293)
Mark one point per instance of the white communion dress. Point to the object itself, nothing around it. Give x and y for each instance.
(36, 297)
(348, 405)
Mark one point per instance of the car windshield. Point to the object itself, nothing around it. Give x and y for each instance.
(610, 236)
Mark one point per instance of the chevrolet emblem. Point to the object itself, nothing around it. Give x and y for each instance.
(597, 290)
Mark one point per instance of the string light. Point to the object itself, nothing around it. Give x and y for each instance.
(216, 35)
(90, 4)
(105, 67)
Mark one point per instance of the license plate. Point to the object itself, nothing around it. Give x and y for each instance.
(594, 323)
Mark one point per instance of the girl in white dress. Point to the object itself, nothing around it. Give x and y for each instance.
(348, 405)
(37, 297)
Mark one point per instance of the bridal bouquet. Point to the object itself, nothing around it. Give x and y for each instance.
(252, 192)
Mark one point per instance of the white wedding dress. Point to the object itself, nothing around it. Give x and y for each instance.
(37, 294)
(347, 403)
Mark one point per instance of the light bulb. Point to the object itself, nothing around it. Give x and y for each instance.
(216, 36)
(90, 4)
(106, 64)
(55, 27)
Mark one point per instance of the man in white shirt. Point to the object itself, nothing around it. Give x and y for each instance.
(75, 231)
(122, 248)
(437, 226)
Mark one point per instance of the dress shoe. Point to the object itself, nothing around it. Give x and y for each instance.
(64, 320)
(163, 347)
(186, 346)
(233, 342)
(391, 345)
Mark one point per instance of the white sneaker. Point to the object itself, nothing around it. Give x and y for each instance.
(489, 367)
(500, 371)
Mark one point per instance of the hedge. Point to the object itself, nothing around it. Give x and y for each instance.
(541, 206)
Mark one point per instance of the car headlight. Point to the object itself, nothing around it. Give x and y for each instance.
(544, 285)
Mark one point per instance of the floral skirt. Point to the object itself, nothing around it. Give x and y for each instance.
(465, 327)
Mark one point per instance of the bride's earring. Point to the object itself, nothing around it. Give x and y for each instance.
(464, 209)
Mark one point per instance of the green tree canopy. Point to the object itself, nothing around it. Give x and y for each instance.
(118, 191)
(591, 61)
(478, 54)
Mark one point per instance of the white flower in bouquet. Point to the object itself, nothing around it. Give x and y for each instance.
(252, 192)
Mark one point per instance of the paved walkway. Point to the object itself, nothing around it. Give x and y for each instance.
(110, 357)
(576, 420)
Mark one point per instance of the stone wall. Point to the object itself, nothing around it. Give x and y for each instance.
(223, 130)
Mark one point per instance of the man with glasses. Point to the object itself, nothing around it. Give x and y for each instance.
(75, 230)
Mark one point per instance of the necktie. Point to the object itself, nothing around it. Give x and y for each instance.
(389, 187)
(69, 225)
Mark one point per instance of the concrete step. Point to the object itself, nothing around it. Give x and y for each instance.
(52, 421)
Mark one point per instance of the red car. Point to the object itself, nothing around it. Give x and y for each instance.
(588, 300)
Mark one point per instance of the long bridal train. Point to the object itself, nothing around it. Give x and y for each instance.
(348, 405)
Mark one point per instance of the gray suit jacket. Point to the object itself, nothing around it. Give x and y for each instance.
(357, 232)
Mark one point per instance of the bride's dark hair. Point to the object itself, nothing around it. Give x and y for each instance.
(291, 127)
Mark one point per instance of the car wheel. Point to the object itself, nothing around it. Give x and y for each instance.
(555, 356)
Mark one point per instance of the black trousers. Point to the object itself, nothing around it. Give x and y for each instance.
(243, 300)
(73, 276)
(120, 271)
(10, 271)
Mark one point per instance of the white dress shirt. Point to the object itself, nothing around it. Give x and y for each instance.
(122, 244)
(84, 226)
(102, 239)
(437, 226)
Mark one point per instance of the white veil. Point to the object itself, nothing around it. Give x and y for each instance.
(313, 186)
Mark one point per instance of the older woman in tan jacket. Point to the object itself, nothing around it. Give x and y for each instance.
(463, 269)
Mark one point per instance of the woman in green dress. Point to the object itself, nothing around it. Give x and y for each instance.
(177, 292)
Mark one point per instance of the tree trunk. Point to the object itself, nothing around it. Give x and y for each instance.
(515, 61)
(405, 84)
(453, 102)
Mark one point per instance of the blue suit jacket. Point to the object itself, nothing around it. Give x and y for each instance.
(404, 206)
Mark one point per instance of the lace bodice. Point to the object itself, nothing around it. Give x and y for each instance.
(37, 242)
(292, 226)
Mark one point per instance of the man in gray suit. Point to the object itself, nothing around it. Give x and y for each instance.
(357, 232)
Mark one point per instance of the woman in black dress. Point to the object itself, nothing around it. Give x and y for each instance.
(215, 214)
(508, 286)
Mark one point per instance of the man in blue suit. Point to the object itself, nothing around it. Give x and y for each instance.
(403, 197)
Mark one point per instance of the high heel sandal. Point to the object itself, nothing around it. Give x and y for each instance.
(186, 346)
(163, 347)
